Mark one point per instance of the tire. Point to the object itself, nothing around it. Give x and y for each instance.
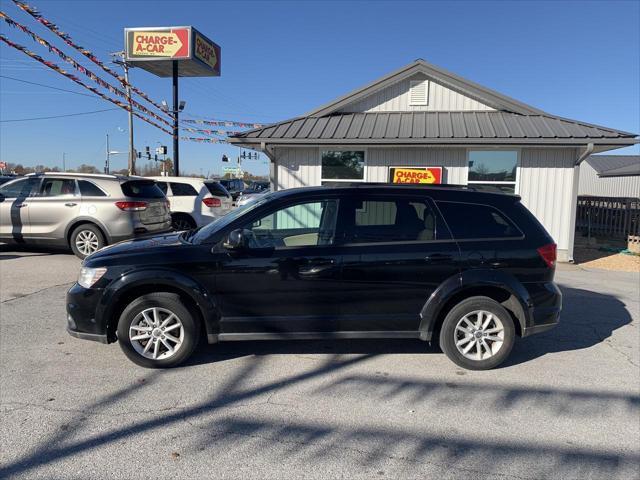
(181, 222)
(85, 240)
(164, 304)
(472, 309)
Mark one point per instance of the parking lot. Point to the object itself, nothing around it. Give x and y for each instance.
(566, 404)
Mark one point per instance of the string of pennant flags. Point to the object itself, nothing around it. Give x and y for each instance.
(204, 140)
(224, 123)
(87, 53)
(75, 79)
(210, 132)
(36, 38)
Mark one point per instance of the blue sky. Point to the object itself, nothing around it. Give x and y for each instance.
(281, 59)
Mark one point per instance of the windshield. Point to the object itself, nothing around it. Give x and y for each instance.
(203, 233)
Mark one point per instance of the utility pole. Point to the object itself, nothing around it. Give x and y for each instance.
(132, 153)
(176, 153)
(64, 163)
(106, 161)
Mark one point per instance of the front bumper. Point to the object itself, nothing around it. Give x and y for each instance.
(82, 321)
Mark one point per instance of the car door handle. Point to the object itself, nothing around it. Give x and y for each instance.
(21, 205)
(70, 204)
(438, 257)
(315, 269)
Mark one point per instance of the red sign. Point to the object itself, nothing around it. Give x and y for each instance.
(429, 175)
(173, 43)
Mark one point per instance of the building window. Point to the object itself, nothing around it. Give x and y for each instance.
(342, 166)
(494, 170)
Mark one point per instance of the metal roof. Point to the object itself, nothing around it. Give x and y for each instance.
(615, 165)
(434, 128)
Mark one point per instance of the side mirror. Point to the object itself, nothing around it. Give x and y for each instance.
(1, 198)
(236, 240)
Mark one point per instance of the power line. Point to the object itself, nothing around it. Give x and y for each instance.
(48, 86)
(58, 116)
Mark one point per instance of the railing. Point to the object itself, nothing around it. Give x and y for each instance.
(608, 217)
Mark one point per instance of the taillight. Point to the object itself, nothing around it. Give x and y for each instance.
(549, 254)
(131, 206)
(212, 202)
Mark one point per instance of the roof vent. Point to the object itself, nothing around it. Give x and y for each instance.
(418, 92)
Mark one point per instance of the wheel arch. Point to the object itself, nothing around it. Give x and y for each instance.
(81, 221)
(133, 285)
(493, 284)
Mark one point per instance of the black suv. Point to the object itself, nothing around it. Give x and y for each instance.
(469, 269)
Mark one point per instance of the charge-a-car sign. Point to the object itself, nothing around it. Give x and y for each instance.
(431, 175)
(167, 43)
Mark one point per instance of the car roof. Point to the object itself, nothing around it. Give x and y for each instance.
(104, 176)
(181, 179)
(441, 191)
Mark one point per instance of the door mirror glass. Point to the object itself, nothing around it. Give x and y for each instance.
(236, 240)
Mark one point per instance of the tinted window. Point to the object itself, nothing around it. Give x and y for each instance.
(141, 189)
(305, 224)
(20, 188)
(162, 186)
(216, 189)
(470, 220)
(391, 220)
(89, 189)
(492, 165)
(183, 190)
(343, 165)
(56, 187)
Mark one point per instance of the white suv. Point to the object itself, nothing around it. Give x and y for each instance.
(194, 201)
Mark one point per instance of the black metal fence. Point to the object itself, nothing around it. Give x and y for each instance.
(608, 217)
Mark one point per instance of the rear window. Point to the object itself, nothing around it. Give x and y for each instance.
(141, 189)
(216, 189)
(472, 220)
(182, 190)
(89, 189)
(162, 186)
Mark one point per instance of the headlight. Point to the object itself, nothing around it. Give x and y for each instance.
(89, 276)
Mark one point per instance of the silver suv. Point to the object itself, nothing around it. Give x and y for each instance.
(83, 211)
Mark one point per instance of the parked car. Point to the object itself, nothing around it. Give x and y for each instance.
(194, 201)
(468, 270)
(82, 211)
(234, 186)
(7, 178)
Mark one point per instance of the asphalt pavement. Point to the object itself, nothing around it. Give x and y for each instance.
(566, 405)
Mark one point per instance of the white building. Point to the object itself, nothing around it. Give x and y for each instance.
(610, 176)
(424, 116)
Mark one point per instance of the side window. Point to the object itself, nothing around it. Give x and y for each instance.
(304, 224)
(90, 189)
(56, 187)
(470, 220)
(24, 187)
(183, 190)
(392, 220)
(162, 186)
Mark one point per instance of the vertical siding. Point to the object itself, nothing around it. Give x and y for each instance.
(454, 161)
(395, 98)
(297, 167)
(591, 184)
(548, 190)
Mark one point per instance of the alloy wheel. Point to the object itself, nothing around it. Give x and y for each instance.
(479, 335)
(156, 333)
(87, 242)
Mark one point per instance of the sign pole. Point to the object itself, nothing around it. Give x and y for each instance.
(176, 154)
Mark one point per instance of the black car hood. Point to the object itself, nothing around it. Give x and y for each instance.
(138, 245)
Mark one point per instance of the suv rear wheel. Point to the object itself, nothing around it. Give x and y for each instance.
(157, 331)
(180, 221)
(477, 334)
(85, 240)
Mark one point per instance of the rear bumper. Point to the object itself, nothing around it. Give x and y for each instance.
(141, 231)
(546, 305)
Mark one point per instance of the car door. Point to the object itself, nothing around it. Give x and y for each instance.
(53, 208)
(397, 252)
(288, 277)
(14, 213)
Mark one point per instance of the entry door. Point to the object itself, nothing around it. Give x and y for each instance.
(287, 280)
(53, 208)
(14, 213)
(397, 252)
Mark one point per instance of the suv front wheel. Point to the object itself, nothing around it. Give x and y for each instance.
(157, 331)
(477, 334)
